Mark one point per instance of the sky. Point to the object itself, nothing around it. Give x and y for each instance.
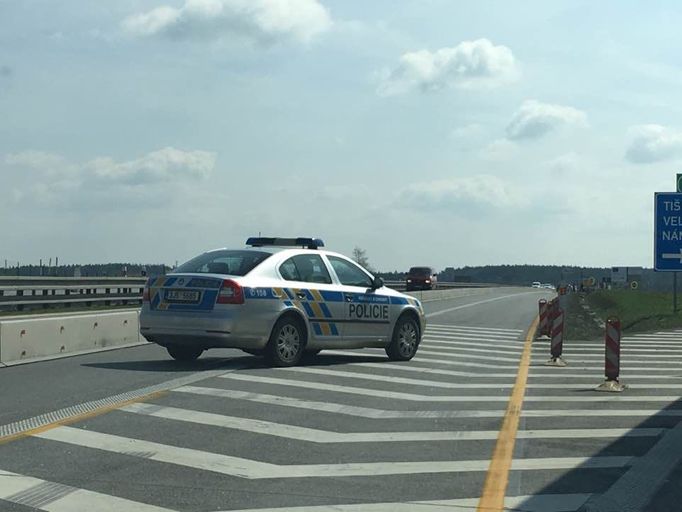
(432, 132)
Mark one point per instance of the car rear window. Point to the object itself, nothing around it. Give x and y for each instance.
(233, 263)
(420, 271)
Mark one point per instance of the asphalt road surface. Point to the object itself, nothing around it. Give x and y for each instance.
(345, 431)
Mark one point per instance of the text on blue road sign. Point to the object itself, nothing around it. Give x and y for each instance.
(668, 231)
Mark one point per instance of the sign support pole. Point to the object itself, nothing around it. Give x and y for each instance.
(674, 292)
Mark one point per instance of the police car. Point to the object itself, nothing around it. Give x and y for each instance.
(278, 298)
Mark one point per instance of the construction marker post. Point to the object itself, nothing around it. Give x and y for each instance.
(544, 317)
(612, 357)
(557, 334)
(551, 306)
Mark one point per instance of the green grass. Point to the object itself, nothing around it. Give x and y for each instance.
(579, 324)
(637, 310)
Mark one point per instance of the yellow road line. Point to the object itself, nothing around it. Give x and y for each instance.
(497, 478)
(79, 417)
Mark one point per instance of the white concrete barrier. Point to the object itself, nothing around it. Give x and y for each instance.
(34, 337)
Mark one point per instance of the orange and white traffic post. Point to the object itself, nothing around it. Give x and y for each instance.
(557, 334)
(612, 357)
(544, 316)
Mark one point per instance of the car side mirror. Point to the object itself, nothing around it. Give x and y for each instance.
(377, 283)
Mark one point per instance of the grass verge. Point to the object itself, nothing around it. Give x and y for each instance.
(638, 312)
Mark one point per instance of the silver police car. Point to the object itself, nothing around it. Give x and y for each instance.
(280, 298)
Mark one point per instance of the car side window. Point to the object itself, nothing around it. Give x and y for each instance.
(308, 268)
(349, 273)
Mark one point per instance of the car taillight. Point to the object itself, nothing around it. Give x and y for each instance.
(230, 293)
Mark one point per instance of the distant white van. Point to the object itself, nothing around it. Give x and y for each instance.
(536, 284)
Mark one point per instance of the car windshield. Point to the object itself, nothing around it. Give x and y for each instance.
(233, 263)
(420, 271)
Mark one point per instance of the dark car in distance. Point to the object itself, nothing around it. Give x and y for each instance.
(421, 278)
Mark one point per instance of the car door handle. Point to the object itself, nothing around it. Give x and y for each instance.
(349, 298)
(301, 295)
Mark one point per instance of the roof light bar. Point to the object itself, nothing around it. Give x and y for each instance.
(309, 243)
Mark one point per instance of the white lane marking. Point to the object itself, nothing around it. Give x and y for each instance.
(387, 378)
(353, 390)
(573, 413)
(624, 358)
(453, 359)
(54, 497)
(625, 344)
(538, 368)
(439, 352)
(577, 365)
(629, 377)
(334, 408)
(252, 469)
(537, 359)
(373, 413)
(472, 304)
(471, 347)
(325, 436)
(436, 357)
(470, 327)
(662, 335)
(531, 503)
(414, 397)
(626, 350)
(488, 346)
(472, 336)
(436, 371)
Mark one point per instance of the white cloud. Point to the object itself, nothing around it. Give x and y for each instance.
(653, 143)
(55, 180)
(477, 63)
(499, 150)
(467, 195)
(535, 119)
(40, 160)
(466, 132)
(163, 165)
(564, 164)
(259, 21)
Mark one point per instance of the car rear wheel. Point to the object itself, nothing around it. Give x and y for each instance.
(405, 340)
(287, 342)
(184, 353)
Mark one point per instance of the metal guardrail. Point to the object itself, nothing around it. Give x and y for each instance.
(23, 293)
(19, 293)
(400, 285)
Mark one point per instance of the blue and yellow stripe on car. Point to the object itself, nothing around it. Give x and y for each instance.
(311, 302)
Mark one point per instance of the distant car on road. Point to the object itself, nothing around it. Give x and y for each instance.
(421, 278)
(548, 286)
(279, 297)
(536, 284)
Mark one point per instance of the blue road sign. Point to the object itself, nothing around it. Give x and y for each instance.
(668, 231)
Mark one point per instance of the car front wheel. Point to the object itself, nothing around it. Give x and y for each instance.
(287, 342)
(184, 353)
(405, 340)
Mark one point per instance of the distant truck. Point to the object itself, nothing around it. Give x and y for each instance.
(421, 278)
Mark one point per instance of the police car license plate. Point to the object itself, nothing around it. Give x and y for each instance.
(182, 295)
